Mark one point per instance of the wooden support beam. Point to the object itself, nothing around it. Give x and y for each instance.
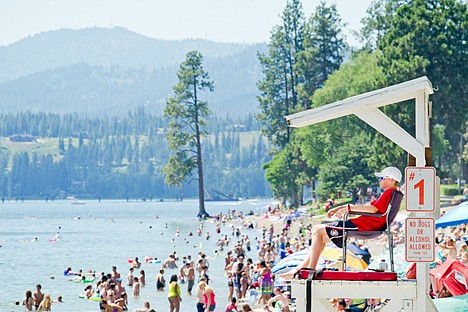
(428, 156)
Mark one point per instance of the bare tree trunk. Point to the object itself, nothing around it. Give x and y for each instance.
(201, 189)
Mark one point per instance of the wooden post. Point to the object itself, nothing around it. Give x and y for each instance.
(428, 156)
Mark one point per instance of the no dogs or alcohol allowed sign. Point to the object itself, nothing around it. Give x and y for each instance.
(420, 240)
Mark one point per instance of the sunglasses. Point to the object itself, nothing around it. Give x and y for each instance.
(382, 178)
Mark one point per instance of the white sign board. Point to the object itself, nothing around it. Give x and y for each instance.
(420, 240)
(420, 189)
(460, 278)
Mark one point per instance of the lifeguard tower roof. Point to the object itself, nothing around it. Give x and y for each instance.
(366, 107)
(377, 98)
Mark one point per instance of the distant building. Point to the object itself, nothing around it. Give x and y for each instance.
(238, 128)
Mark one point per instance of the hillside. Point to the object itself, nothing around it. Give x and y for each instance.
(100, 46)
(64, 155)
(111, 71)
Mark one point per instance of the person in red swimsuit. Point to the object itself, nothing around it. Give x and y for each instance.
(389, 179)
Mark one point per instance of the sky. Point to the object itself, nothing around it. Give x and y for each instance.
(242, 21)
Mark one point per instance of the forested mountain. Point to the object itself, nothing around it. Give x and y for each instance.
(110, 71)
(81, 115)
(54, 156)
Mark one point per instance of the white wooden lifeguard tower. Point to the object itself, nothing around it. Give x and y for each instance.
(404, 295)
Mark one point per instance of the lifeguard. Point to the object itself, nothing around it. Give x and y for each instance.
(389, 179)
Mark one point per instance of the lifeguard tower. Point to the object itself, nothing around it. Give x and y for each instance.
(404, 295)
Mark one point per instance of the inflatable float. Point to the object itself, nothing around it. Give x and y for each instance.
(152, 260)
(95, 297)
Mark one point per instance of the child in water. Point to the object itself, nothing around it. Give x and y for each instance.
(136, 287)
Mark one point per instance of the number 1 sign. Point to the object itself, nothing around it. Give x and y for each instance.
(420, 188)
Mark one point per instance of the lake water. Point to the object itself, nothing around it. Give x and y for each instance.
(97, 235)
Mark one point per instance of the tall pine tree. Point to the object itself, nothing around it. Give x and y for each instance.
(278, 88)
(187, 112)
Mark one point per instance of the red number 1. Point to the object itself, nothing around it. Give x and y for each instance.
(420, 185)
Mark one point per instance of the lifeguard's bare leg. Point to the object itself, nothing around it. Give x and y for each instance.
(319, 240)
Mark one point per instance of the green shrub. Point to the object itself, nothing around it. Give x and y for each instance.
(449, 190)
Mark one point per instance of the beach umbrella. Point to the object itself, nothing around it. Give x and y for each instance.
(457, 215)
(450, 304)
(289, 262)
(453, 275)
(286, 266)
(330, 257)
(335, 256)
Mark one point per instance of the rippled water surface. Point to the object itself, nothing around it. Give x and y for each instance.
(97, 235)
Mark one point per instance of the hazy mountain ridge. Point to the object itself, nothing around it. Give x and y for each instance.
(100, 46)
(111, 71)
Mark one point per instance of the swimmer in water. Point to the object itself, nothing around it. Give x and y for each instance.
(170, 262)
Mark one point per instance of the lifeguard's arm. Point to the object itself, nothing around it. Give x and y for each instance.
(340, 210)
(364, 208)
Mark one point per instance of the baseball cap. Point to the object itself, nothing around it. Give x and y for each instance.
(390, 172)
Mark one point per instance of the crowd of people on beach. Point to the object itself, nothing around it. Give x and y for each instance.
(247, 266)
(247, 279)
(249, 275)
